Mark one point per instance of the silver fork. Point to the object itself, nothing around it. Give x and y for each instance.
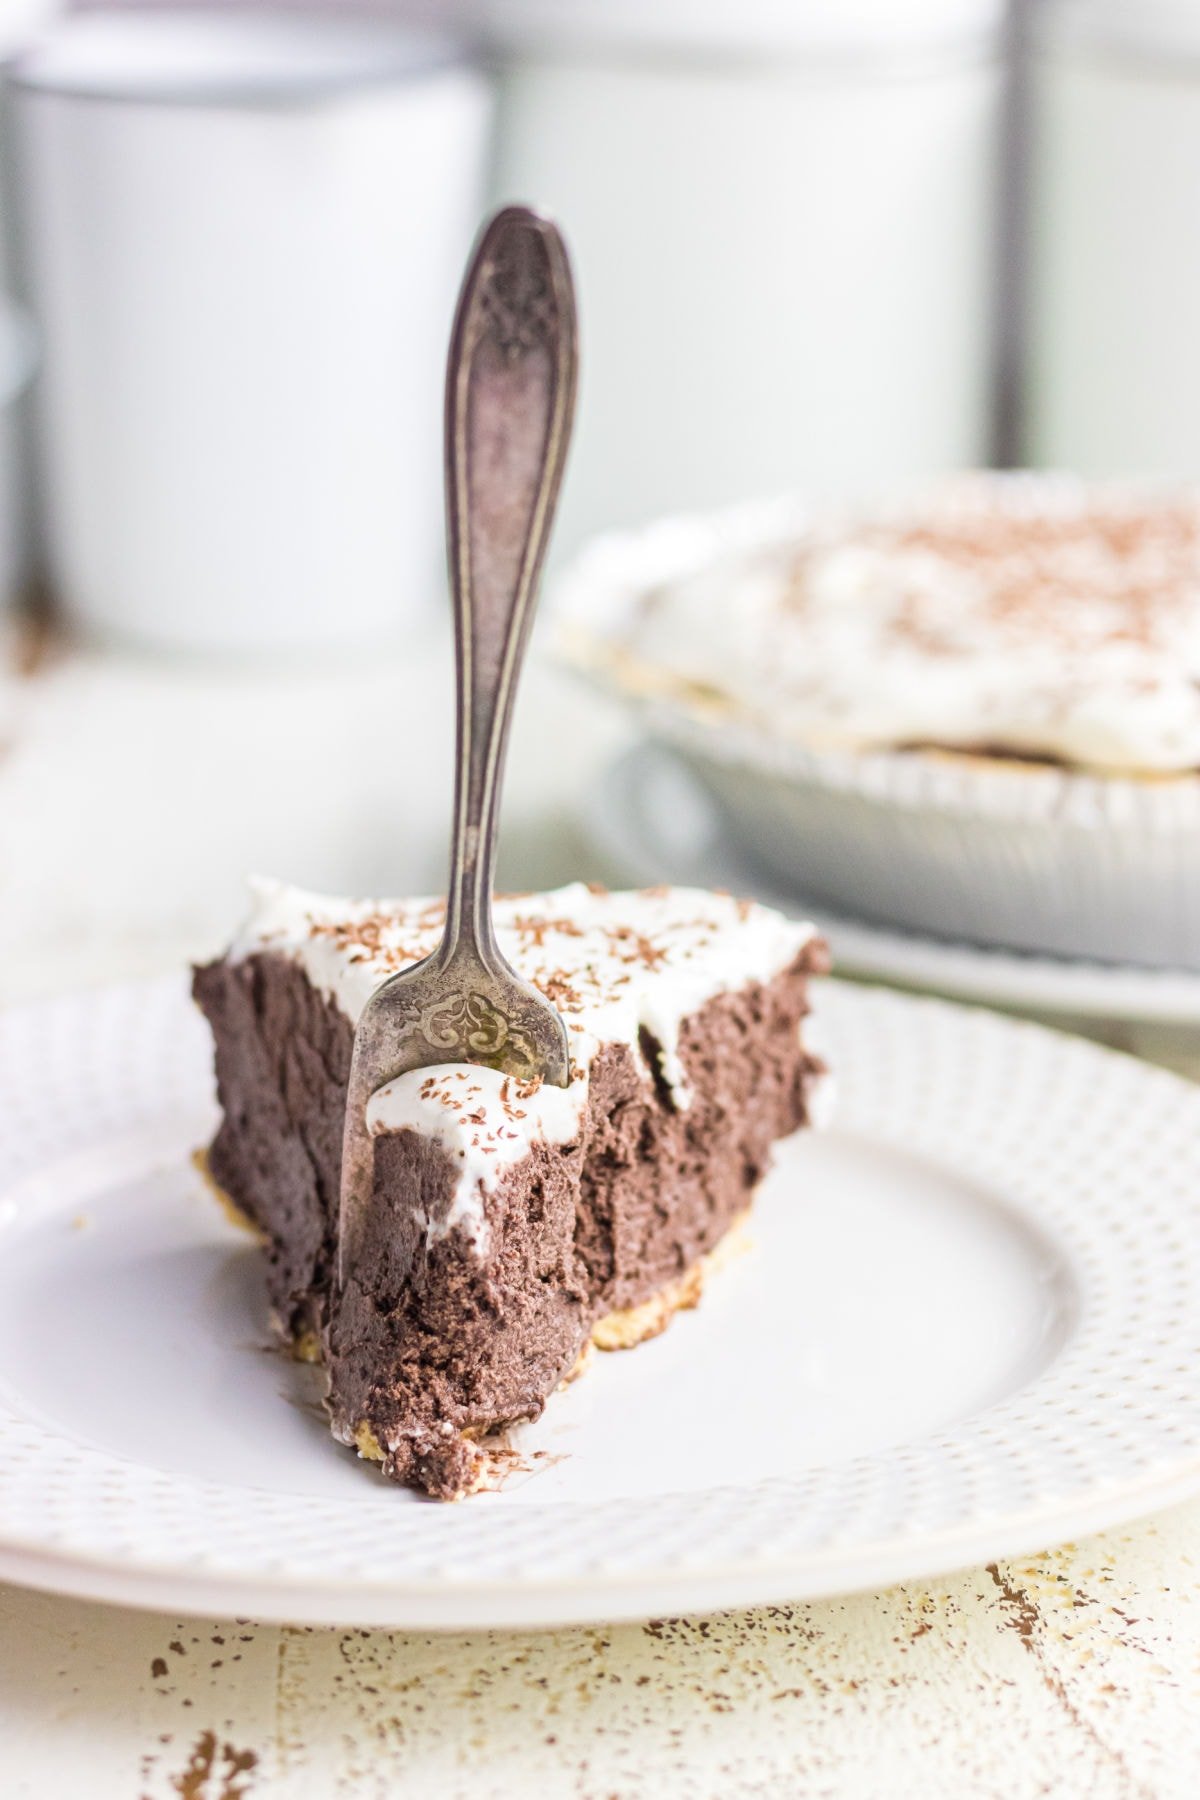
(510, 396)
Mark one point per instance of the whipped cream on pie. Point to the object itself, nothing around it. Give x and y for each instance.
(1028, 615)
(622, 968)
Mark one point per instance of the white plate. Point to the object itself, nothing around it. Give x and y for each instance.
(652, 821)
(969, 1328)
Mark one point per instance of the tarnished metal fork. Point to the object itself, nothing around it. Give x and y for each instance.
(510, 395)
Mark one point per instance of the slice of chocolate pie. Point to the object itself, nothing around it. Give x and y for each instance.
(512, 1226)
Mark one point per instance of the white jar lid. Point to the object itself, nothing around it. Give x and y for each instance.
(832, 29)
(1149, 28)
(224, 56)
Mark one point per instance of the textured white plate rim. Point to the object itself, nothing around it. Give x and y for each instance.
(975, 972)
(1141, 1291)
(473, 1605)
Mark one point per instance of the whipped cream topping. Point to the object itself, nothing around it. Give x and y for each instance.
(616, 965)
(1035, 615)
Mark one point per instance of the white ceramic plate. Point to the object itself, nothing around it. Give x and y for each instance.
(968, 1328)
(652, 821)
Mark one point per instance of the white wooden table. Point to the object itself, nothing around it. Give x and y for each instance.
(132, 797)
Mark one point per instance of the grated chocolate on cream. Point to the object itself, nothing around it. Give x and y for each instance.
(622, 968)
(1033, 615)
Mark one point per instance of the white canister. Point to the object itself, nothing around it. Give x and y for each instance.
(18, 358)
(19, 21)
(782, 214)
(1114, 374)
(245, 234)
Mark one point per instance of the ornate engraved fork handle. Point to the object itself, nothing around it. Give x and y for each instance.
(510, 395)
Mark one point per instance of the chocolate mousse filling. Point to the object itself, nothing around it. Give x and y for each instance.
(447, 1328)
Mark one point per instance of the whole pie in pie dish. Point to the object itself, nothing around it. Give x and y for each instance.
(972, 710)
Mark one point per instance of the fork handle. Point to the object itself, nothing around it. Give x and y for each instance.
(510, 396)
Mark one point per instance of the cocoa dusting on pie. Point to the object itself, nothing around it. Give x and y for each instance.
(1131, 570)
(373, 937)
(558, 988)
(635, 947)
(536, 930)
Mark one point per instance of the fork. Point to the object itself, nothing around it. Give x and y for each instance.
(510, 396)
